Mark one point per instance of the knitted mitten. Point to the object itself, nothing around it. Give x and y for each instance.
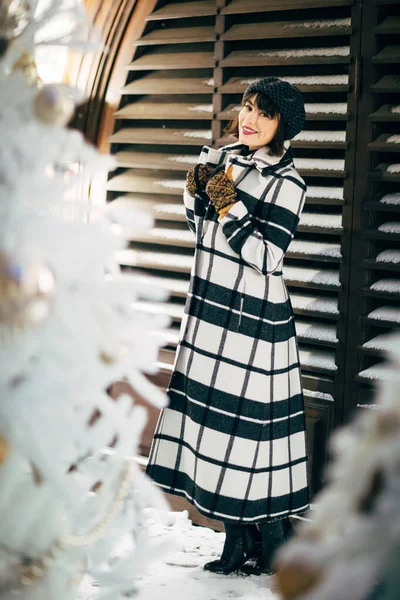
(221, 190)
(197, 177)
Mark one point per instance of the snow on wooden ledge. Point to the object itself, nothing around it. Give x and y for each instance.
(322, 305)
(296, 52)
(390, 227)
(391, 198)
(319, 395)
(379, 372)
(386, 313)
(386, 285)
(320, 136)
(395, 168)
(320, 249)
(318, 358)
(383, 341)
(391, 256)
(337, 108)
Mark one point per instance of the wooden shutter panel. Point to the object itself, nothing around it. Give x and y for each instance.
(184, 84)
(374, 307)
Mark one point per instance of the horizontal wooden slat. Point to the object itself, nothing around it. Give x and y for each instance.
(314, 112)
(133, 135)
(303, 56)
(370, 263)
(318, 361)
(375, 234)
(384, 113)
(288, 29)
(382, 143)
(390, 25)
(172, 60)
(251, 6)
(323, 83)
(184, 10)
(380, 173)
(156, 84)
(155, 160)
(387, 85)
(381, 206)
(147, 183)
(389, 291)
(184, 35)
(389, 55)
(151, 109)
(300, 143)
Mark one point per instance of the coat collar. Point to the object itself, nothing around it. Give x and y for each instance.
(261, 159)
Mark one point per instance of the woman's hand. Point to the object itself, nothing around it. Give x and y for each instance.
(197, 178)
(221, 190)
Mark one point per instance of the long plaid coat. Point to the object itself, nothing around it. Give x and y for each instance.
(232, 440)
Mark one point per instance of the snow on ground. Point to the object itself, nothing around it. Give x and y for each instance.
(181, 575)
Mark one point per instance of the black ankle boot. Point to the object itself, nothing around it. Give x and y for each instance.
(273, 536)
(242, 542)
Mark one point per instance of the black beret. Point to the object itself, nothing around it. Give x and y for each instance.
(287, 99)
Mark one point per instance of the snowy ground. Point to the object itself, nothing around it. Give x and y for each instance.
(179, 575)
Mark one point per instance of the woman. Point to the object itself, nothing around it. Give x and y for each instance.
(233, 438)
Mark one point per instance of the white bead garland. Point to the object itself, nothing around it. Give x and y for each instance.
(37, 569)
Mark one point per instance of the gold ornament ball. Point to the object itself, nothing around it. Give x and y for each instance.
(26, 292)
(53, 105)
(15, 16)
(4, 449)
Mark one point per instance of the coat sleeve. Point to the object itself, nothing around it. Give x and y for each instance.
(263, 238)
(196, 207)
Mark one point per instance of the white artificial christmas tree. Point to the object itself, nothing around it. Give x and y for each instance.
(71, 495)
(350, 549)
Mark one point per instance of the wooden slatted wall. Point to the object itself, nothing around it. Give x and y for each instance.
(374, 305)
(184, 84)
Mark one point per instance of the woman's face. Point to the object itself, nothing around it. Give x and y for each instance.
(256, 129)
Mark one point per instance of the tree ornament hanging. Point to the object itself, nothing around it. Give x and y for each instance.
(54, 105)
(15, 16)
(26, 292)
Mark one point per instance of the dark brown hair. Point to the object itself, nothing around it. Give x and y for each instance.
(263, 103)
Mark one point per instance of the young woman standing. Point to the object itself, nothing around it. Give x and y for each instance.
(232, 440)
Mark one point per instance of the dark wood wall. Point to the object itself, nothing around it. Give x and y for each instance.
(172, 83)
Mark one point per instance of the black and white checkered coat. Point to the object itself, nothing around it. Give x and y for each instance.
(233, 438)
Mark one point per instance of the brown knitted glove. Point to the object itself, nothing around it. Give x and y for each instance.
(221, 190)
(197, 177)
